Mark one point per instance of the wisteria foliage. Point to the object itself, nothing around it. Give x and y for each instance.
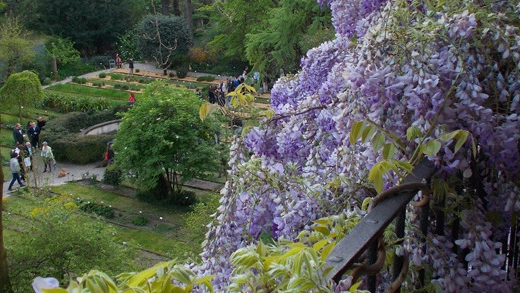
(439, 66)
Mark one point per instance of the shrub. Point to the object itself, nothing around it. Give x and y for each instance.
(47, 81)
(206, 78)
(137, 70)
(116, 76)
(182, 72)
(66, 103)
(124, 87)
(96, 209)
(75, 69)
(140, 221)
(102, 75)
(112, 176)
(75, 79)
(117, 86)
(171, 74)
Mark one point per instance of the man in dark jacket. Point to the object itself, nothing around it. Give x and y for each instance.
(17, 134)
(34, 134)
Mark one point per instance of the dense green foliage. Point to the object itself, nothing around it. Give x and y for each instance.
(161, 139)
(22, 89)
(63, 50)
(61, 243)
(92, 25)
(15, 49)
(163, 38)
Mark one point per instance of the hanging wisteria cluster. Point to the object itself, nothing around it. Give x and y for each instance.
(439, 66)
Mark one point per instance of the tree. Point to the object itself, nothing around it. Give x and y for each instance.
(63, 50)
(162, 139)
(93, 25)
(22, 89)
(163, 38)
(235, 19)
(15, 49)
(293, 28)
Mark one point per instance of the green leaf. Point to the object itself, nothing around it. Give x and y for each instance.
(367, 133)
(327, 249)
(366, 203)
(432, 148)
(319, 245)
(356, 129)
(323, 230)
(378, 141)
(462, 137)
(54, 290)
(388, 151)
(376, 175)
(143, 276)
(413, 132)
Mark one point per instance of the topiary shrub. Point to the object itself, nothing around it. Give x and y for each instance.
(137, 70)
(171, 74)
(124, 87)
(102, 75)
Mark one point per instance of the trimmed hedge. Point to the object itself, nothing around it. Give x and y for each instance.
(62, 134)
(206, 78)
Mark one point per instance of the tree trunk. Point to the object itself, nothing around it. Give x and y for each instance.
(176, 7)
(165, 7)
(5, 283)
(189, 19)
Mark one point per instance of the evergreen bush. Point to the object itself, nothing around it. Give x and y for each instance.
(112, 176)
(182, 72)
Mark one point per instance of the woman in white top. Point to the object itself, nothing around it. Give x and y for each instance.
(47, 156)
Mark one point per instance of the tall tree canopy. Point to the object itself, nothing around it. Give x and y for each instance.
(294, 27)
(15, 49)
(162, 38)
(162, 139)
(93, 25)
(22, 89)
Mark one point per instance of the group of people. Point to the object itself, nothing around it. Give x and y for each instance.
(217, 94)
(119, 64)
(22, 155)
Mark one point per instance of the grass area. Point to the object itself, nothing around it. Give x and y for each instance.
(165, 233)
(89, 91)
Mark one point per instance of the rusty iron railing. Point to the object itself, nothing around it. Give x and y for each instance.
(363, 239)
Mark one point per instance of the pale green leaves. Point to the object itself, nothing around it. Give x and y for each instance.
(389, 145)
(163, 277)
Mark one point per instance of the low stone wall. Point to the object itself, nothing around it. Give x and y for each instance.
(101, 128)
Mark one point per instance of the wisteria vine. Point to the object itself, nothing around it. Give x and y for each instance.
(399, 64)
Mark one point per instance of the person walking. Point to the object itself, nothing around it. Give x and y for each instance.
(14, 165)
(47, 156)
(131, 66)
